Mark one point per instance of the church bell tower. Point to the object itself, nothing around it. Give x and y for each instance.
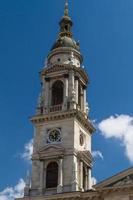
(62, 159)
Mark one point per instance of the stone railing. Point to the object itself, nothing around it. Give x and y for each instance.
(55, 108)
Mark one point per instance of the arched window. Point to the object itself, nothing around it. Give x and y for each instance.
(57, 93)
(52, 175)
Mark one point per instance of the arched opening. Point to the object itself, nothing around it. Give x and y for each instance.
(66, 27)
(52, 175)
(57, 93)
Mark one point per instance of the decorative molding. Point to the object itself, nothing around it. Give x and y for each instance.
(88, 195)
(63, 115)
(58, 68)
(65, 50)
(49, 151)
(86, 157)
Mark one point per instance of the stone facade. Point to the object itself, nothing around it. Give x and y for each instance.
(62, 159)
(118, 187)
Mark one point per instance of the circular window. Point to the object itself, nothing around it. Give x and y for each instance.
(54, 135)
(81, 139)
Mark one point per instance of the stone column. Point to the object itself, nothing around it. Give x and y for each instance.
(47, 80)
(86, 179)
(89, 179)
(41, 176)
(82, 99)
(76, 88)
(75, 175)
(84, 93)
(81, 175)
(60, 176)
(71, 82)
(72, 90)
(65, 91)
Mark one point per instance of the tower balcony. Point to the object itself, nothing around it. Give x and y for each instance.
(56, 108)
(60, 108)
(50, 109)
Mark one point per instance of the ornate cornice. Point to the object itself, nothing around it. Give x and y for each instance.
(38, 119)
(88, 195)
(58, 68)
(86, 157)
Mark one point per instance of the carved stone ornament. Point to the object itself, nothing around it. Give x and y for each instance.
(50, 151)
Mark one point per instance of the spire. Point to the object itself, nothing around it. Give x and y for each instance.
(66, 8)
(65, 36)
(66, 23)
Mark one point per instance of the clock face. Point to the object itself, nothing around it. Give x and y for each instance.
(54, 135)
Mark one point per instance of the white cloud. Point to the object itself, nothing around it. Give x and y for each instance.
(93, 181)
(119, 127)
(97, 154)
(10, 193)
(28, 150)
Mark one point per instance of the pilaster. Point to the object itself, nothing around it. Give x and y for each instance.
(72, 90)
(76, 89)
(82, 100)
(89, 179)
(81, 175)
(60, 176)
(84, 93)
(47, 87)
(75, 175)
(86, 179)
(66, 76)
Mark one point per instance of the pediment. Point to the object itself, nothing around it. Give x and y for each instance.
(51, 151)
(122, 179)
(86, 157)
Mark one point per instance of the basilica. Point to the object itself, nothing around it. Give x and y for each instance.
(62, 159)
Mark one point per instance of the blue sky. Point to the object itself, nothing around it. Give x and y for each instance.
(28, 30)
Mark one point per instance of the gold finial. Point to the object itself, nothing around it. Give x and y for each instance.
(66, 8)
